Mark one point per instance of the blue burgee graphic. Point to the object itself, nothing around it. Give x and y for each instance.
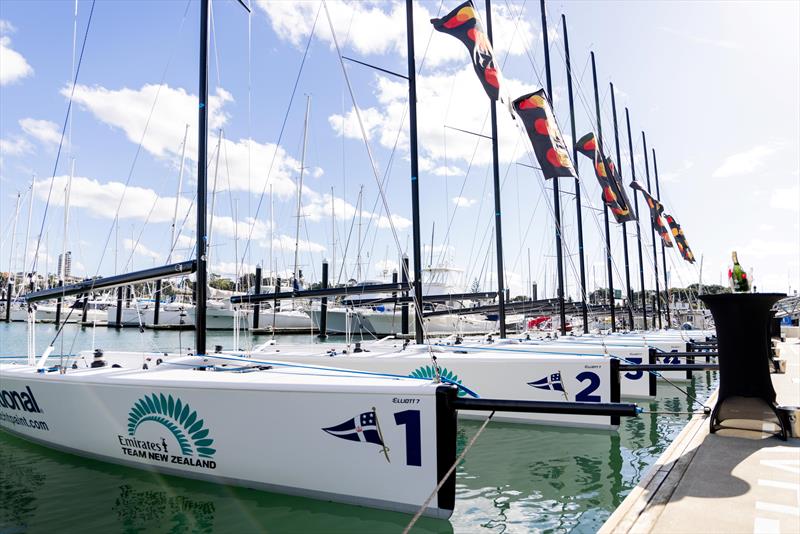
(360, 428)
(552, 382)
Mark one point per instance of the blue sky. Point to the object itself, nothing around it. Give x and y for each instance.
(715, 86)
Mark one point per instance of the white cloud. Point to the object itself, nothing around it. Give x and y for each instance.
(786, 198)
(14, 146)
(285, 242)
(244, 164)
(45, 131)
(101, 199)
(371, 28)
(318, 207)
(13, 65)
(673, 175)
(438, 106)
(744, 163)
(140, 249)
(463, 202)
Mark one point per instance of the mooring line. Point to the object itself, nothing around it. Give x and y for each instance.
(447, 475)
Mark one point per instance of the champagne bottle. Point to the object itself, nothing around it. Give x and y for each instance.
(738, 276)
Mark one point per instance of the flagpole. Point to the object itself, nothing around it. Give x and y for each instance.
(663, 253)
(584, 310)
(605, 206)
(653, 234)
(638, 227)
(412, 138)
(624, 224)
(556, 193)
(501, 292)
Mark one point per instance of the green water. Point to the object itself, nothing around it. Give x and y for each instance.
(515, 479)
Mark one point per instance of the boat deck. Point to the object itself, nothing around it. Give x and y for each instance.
(731, 481)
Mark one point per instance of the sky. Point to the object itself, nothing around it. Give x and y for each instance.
(714, 85)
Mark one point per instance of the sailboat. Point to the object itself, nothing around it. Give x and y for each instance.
(292, 428)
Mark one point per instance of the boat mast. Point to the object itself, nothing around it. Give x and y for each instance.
(638, 226)
(501, 291)
(11, 275)
(62, 271)
(296, 282)
(360, 204)
(28, 231)
(605, 206)
(663, 253)
(178, 195)
(214, 203)
(629, 293)
(579, 213)
(556, 191)
(333, 231)
(201, 276)
(412, 141)
(653, 234)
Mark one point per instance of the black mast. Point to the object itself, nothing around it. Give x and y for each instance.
(663, 253)
(629, 298)
(605, 206)
(638, 227)
(584, 308)
(652, 233)
(501, 291)
(201, 276)
(412, 137)
(556, 193)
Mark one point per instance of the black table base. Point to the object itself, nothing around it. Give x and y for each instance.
(743, 337)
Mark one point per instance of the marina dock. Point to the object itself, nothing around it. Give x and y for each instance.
(731, 481)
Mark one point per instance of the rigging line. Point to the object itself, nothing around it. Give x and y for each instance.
(448, 474)
(280, 135)
(141, 140)
(477, 142)
(376, 174)
(392, 154)
(63, 131)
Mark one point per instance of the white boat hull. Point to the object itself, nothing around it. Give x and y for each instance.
(283, 437)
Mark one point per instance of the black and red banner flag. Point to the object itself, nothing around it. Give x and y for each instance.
(656, 209)
(463, 24)
(536, 114)
(614, 195)
(680, 239)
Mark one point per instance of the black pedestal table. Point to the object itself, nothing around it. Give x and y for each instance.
(743, 337)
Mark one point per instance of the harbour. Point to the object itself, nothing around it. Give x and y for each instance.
(246, 322)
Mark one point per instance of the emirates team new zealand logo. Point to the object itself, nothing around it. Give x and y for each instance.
(177, 418)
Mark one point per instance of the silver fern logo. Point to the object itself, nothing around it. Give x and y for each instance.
(448, 376)
(180, 421)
